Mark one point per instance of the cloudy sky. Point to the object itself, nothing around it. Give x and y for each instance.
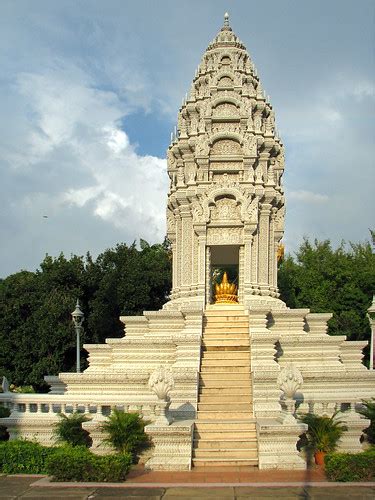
(90, 89)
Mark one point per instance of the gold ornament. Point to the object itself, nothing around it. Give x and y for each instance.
(280, 252)
(225, 293)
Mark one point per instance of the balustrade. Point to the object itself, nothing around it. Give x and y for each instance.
(52, 404)
(329, 407)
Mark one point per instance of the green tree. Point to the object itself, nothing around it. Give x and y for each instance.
(125, 432)
(339, 280)
(36, 333)
(68, 430)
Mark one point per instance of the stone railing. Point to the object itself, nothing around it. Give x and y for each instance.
(325, 406)
(33, 417)
(346, 410)
(42, 404)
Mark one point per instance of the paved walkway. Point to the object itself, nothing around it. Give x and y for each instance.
(197, 484)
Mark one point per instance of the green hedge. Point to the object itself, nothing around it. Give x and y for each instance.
(23, 457)
(4, 412)
(79, 464)
(351, 466)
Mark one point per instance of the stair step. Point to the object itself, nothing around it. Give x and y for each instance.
(224, 398)
(224, 407)
(217, 384)
(232, 308)
(225, 334)
(223, 393)
(227, 400)
(228, 342)
(246, 435)
(225, 331)
(225, 319)
(226, 453)
(220, 328)
(226, 369)
(228, 354)
(224, 348)
(227, 444)
(225, 362)
(219, 462)
(222, 377)
(224, 415)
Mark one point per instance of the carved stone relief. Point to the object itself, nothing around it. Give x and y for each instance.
(201, 146)
(224, 235)
(225, 209)
(225, 109)
(225, 166)
(226, 147)
(199, 210)
(279, 219)
(225, 81)
(225, 61)
(221, 179)
(171, 224)
(226, 127)
(250, 211)
(250, 145)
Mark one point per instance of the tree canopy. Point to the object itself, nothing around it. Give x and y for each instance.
(324, 279)
(36, 332)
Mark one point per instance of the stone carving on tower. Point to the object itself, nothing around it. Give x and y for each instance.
(225, 164)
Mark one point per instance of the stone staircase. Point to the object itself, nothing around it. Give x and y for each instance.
(225, 432)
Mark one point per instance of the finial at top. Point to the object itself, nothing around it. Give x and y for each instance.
(226, 19)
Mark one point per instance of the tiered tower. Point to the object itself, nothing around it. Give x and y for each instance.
(225, 163)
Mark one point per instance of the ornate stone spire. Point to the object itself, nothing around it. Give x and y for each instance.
(225, 163)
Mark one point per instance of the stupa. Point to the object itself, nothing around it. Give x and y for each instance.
(221, 369)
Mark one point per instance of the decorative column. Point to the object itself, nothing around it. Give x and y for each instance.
(246, 250)
(264, 220)
(272, 252)
(161, 383)
(241, 274)
(186, 261)
(254, 262)
(289, 381)
(172, 443)
(277, 440)
(201, 258)
(371, 317)
(208, 275)
(178, 256)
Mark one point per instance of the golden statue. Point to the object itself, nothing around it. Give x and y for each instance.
(225, 293)
(280, 252)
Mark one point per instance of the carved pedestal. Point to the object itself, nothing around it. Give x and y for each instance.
(277, 445)
(172, 446)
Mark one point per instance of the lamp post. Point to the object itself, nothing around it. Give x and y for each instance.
(78, 317)
(371, 317)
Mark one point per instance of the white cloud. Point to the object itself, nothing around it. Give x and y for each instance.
(72, 152)
(307, 196)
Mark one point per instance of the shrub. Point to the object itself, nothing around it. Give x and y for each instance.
(4, 412)
(351, 466)
(323, 433)
(125, 432)
(22, 389)
(69, 430)
(23, 457)
(368, 411)
(79, 464)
